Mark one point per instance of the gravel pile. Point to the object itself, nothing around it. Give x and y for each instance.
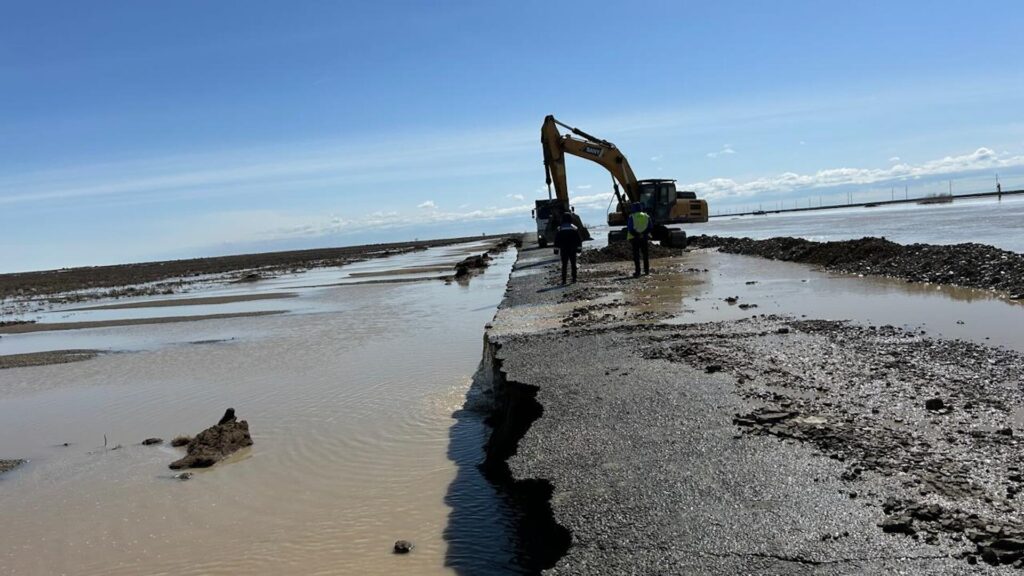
(623, 251)
(971, 265)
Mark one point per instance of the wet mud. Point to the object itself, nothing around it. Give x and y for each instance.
(45, 358)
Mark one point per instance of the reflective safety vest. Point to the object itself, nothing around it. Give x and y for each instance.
(641, 223)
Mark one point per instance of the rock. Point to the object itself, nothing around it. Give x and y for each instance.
(152, 441)
(746, 306)
(782, 330)
(183, 476)
(403, 547)
(772, 417)
(213, 444)
(229, 416)
(732, 299)
(712, 368)
(8, 465)
(1005, 431)
(180, 441)
(934, 404)
(898, 525)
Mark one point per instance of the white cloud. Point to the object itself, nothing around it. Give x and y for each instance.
(657, 158)
(726, 149)
(894, 159)
(584, 187)
(980, 159)
(428, 205)
(515, 196)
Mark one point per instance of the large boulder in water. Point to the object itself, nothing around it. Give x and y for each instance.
(215, 443)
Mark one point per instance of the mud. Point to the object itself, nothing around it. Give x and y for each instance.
(45, 358)
(215, 443)
(970, 265)
(623, 252)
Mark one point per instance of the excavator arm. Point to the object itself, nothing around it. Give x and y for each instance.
(603, 152)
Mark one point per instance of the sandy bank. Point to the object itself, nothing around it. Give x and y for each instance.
(191, 301)
(48, 326)
(44, 358)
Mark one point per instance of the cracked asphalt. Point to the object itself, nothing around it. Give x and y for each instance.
(650, 473)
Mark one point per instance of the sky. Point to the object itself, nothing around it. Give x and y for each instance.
(144, 130)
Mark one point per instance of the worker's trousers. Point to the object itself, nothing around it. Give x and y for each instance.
(567, 257)
(640, 246)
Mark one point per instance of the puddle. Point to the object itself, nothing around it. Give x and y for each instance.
(797, 289)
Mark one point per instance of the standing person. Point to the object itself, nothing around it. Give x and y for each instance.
(639, 229)
(568, 244)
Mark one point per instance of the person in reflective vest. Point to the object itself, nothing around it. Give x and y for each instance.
(567, 244)
(638, 232)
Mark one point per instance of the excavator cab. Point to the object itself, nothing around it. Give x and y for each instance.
(658, 198)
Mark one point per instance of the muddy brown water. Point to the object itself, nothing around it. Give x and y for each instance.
(350, 397)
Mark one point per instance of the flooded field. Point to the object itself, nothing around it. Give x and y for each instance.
(349, 389)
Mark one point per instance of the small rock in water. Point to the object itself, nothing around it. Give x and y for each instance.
(183, 476)
(7, 465)
(152, 441)
(934, 404)
(732, 299)
(403, 547)
(180, 441)
(215, 443)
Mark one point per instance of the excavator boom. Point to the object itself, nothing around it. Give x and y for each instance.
(659, 197)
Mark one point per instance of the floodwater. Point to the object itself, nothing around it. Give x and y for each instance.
(985, 221)
(350, 395)
(700, 281)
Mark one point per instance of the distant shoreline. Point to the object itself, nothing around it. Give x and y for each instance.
(875, 203)
(171, 274)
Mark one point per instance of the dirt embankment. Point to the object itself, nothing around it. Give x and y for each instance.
(971, 265)
(623, 251)
(29, 284)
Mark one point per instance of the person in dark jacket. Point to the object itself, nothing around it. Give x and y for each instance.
(568, 244)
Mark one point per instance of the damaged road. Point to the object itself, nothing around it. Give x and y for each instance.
(764, 445)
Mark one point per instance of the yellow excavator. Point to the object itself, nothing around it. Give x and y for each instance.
(659, 197)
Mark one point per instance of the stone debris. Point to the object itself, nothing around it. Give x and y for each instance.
(152, 441)
(180, 441)
(403, 547)
(215, 443)
(8, 465)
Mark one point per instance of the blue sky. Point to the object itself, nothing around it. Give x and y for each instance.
(149, 130)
